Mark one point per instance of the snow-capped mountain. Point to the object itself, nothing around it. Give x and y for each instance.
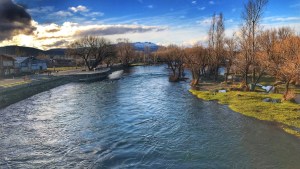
(142, 45)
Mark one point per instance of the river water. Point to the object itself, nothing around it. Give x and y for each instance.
(138, 121)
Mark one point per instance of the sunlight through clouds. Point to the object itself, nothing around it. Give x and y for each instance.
(55, 23)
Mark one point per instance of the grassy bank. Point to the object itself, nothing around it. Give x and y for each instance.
(287, 114)
(8, 97)
(63, 68)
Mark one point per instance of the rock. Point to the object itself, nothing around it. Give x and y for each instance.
(267, 100)
(272, 100)
(222, 91)
(276, 101)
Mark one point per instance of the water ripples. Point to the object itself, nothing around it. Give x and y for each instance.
(138, 121)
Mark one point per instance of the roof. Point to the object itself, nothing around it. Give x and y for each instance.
(7, 57)
(20, 59)
(33, 60)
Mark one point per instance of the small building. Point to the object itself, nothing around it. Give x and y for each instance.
(30, 64)
(7, 64)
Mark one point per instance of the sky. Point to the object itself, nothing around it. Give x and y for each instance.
(47, 24)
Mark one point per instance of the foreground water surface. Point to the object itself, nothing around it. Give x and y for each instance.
(138, 121)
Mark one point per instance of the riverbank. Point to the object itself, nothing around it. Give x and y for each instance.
(18, 93)
(11, 93)
(286, 114)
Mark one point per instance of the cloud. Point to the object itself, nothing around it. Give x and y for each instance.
(61, 43)
(282, 19)
(202, 8)
(59, 14)
(211, 2)
(93, 14)
(205, 21)
(79, 8)
(54, 35)
(40, 10)
(104, 30)
(229, 21)
(150, 6)
(194, 2)
(13, 20)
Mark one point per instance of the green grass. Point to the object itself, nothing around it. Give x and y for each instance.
(15, 84)
(62, 68)
(251, 104)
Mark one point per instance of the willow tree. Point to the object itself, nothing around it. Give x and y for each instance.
(174, 57)
(196, 60)
(92, 49)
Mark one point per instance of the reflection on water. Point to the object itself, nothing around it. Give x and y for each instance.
(139, 121)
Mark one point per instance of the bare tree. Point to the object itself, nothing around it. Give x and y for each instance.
(231, 48)
(279, 55)
(251, 15)
(196, 60)
(289, 69)
(125, 51)
(92, 49)
(147, 52)
(216, 35)
(174, 57)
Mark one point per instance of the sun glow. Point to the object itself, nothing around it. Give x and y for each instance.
(25, 40)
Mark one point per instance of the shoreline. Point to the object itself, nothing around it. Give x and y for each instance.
(286, 114)
(19, 93)
(11, 96)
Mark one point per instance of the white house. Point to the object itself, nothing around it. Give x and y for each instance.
(30, 64)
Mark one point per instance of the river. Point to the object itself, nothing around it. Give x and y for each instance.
(138, 121)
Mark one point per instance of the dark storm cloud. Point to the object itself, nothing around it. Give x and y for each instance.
(13, 20)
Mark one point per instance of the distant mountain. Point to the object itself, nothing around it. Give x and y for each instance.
(58, 51)
(140, 46)
(20, 50)
(28, 51)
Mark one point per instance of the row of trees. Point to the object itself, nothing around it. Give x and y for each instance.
(251, 52)
(94, 50)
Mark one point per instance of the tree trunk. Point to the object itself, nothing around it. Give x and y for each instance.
(227, 74)
(287, 84)
(216, 73)
(253, 75)
(246, 76)
(87, 64)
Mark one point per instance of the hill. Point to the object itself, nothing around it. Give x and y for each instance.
(29, 51)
